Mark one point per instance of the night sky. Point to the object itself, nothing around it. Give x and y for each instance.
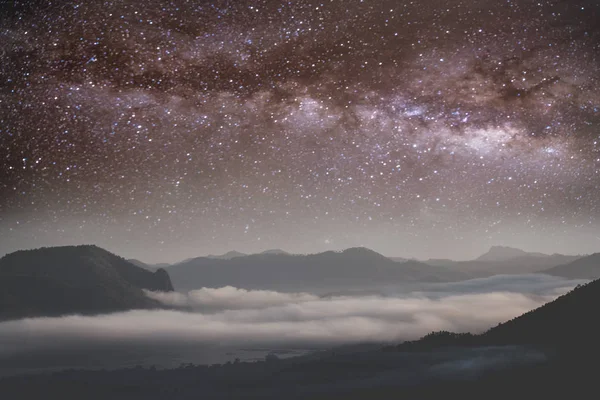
(163, 130)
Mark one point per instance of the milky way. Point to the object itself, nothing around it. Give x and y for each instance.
(170, 129)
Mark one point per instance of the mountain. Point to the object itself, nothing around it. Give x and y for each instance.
(505, 260)
(74, 279)
(503, 253)
(352, 268)
(275, 251)
(401, 259)
(139, 263)
(227, 256)
(149, 267)
(441, 262)
(569, 320)
(583, 268)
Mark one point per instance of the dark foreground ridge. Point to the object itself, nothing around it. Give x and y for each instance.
(74, 280)
(569, 322)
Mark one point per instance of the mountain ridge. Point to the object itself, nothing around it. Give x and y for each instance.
(505, 253)
(82, 279)
(505, 260)
(226, 256)
(330, 270)
(587, 267)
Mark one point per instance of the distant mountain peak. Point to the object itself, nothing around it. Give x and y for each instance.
(234, 253)
(360, 250)
(276, 251)
(504, 253)
(363, 253)
(227, 256)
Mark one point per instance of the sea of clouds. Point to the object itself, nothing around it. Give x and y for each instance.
(231, 316)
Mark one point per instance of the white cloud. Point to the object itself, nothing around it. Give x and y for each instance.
(242, 317)
(229, 297)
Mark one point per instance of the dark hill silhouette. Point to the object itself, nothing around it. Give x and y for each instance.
(74, 279)
(583, 268)
(569, 320)
(351, 374)
(352, 268)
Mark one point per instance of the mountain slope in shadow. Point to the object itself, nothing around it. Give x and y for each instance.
(74, 279)
(352, 268)
(583, 268)
(569, 321)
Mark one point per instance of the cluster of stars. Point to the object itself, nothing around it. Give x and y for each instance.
(203, 124)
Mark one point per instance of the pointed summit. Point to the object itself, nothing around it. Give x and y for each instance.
(504, 253)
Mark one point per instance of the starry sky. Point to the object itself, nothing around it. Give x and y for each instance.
(163, 130)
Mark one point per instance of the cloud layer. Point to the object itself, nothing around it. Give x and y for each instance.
(240, 317)
(229, 297)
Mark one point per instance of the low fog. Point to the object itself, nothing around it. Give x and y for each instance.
(229, 297)
(236, 317)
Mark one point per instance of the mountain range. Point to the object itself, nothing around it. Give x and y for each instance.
(351, 268)
(88, 279)
(505, 253)
(74, 279)
(356, 268)
(583, 268)
(227, 256)
(506, 260)
(550, 352)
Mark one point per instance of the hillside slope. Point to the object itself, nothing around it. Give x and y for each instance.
(583, 268)
(74, 279)
(569, 320)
